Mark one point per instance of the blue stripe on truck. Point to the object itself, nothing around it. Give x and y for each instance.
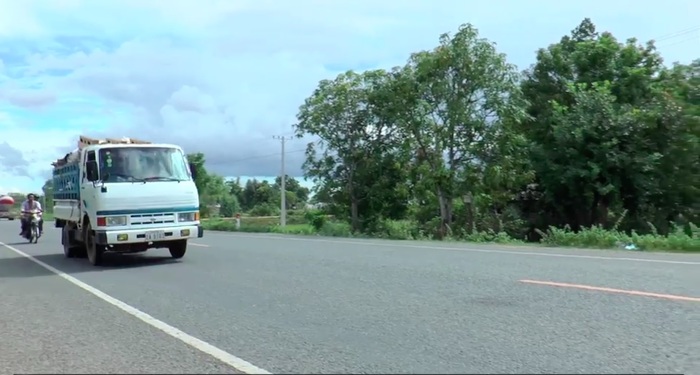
(144, 211)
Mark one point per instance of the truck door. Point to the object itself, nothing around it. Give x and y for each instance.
(87, 190)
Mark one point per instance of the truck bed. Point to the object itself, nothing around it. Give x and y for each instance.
(66, 182)
(66, 192)
(66, 209)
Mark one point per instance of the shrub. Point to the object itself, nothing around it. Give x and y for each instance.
(314, 222)
(264, 209)
(335, 229)
(304, 229)
(316, 218)
(398, 229)
(597, 237)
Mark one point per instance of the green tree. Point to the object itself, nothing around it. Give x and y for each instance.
(47, 192)
(458, 102)
(262, 195)
(235, 189)
(229, 205)
(213, 190)
(197, 161)
(451, 143)
(296, 196)
(678, 140)
(598, 156)
(609, 103)
(351, 135)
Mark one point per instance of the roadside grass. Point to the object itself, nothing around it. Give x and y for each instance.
(294, 225)
(48, 216)
(593, 238)
(315, 224)
(596, 237)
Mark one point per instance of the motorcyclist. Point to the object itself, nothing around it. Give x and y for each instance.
(29, 206)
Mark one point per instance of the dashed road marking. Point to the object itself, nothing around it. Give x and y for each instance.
(612, 290)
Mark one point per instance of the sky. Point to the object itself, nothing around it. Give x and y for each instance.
(222, 77)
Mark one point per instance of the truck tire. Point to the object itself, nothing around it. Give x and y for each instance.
(178, 248)
(95, 252)
(70, 250)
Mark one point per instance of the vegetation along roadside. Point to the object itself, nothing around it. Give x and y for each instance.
(596, 144)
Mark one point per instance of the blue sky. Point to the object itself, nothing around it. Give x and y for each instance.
(223, 76)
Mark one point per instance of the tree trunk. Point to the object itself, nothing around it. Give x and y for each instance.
(593, 212)
(445, 203)
(354, 215)
(469, 213)
(354, 202)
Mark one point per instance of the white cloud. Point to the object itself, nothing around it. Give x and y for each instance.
(26, 153)
(223, 76)
(32, 99)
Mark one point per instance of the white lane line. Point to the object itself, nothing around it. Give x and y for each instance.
(198, 244)
(204, 347)
(516, 252)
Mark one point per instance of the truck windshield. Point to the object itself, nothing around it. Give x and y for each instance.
(129, 164)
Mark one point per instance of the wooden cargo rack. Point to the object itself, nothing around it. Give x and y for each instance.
(94, 141)
(87, 141)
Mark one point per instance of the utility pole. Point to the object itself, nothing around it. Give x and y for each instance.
(283, 192)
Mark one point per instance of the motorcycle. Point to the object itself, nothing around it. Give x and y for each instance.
(32, 233)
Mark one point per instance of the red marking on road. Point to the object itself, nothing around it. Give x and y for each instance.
(611, 290)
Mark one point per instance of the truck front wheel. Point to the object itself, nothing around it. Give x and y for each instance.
(178, 248)
(95, 251)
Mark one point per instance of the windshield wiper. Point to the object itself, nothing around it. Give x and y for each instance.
(128, 176)
(161, 178)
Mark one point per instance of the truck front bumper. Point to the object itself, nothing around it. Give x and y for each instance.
(142, 235)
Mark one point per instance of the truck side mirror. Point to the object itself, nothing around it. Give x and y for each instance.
(193, 171)
(91, 170)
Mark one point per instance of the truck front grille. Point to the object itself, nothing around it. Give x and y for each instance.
(148, 219)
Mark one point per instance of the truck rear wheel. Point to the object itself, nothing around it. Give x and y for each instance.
(95, 251)
(70, 249)
(178, 248)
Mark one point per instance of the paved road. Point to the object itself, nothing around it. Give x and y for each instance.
(293, 305)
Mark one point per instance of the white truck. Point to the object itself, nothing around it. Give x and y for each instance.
(124, 196)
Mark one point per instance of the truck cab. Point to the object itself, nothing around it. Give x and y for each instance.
(125, 197)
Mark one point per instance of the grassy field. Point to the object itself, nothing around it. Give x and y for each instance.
(595, 238)
(261, 224)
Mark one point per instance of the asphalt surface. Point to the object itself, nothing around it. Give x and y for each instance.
(324, 305)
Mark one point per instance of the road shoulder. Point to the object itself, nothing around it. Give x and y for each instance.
(51, 326)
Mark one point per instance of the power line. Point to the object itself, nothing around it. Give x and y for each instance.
(265, 156)
(678, 33)
(690, 34)
(682, 41)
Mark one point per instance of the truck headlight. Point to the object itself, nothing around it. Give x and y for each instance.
(116, 221)
(188, 216)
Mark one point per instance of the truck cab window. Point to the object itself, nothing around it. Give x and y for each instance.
(89, 156)
(129, 164)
